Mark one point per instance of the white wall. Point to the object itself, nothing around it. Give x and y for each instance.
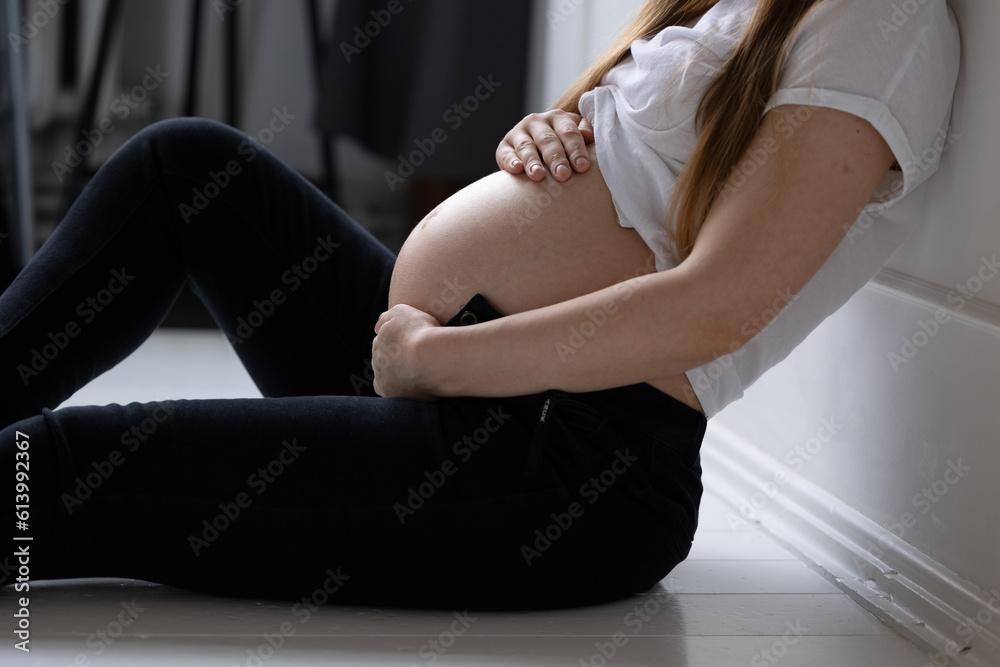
(569, 35)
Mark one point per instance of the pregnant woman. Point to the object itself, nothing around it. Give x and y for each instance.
(509, 414)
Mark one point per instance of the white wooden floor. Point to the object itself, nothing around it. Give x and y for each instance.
(738, 600)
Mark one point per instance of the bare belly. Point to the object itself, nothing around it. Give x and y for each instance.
(522, 245)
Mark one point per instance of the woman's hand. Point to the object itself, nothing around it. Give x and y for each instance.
(397, 366)
(561, 138)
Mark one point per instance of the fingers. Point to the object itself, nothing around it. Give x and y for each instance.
(550, 143)
(555, 139)
(556, 135)
(507, 158)
(576, 147)
(518, 153)
(569, 152)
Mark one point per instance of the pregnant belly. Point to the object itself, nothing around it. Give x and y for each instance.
(522, 245)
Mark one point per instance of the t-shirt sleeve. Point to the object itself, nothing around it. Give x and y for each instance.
(893, 64)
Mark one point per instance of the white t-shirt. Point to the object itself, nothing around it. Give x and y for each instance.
(893, 64)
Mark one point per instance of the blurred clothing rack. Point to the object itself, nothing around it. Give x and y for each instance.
(88, 110)
(232, 96)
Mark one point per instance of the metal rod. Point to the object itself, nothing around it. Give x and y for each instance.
(233, 67)
(326, 138)
(191, 100)
(88, 111)
(23, 231)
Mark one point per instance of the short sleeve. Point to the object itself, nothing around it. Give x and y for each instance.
(895, 65)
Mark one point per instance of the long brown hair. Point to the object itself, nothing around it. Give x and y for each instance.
(730, 111)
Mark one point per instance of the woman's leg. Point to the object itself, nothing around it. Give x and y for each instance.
(294, 283)
(358, 500)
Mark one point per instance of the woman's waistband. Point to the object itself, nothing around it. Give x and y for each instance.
(634, 401)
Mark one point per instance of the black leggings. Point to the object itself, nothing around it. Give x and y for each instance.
(321, 489)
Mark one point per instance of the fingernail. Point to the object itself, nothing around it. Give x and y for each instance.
(515, 163)
(582, 162)
(562, 171)
(537, 169)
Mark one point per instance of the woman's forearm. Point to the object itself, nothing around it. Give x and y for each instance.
(648, 327)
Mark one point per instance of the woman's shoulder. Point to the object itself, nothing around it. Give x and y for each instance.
(895, 64)
(905, 55)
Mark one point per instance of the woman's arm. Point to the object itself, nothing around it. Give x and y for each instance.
(767, 235)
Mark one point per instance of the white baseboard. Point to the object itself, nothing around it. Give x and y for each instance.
(923, 600)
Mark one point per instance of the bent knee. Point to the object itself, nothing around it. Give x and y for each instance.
(183, 144)
(184, 128)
